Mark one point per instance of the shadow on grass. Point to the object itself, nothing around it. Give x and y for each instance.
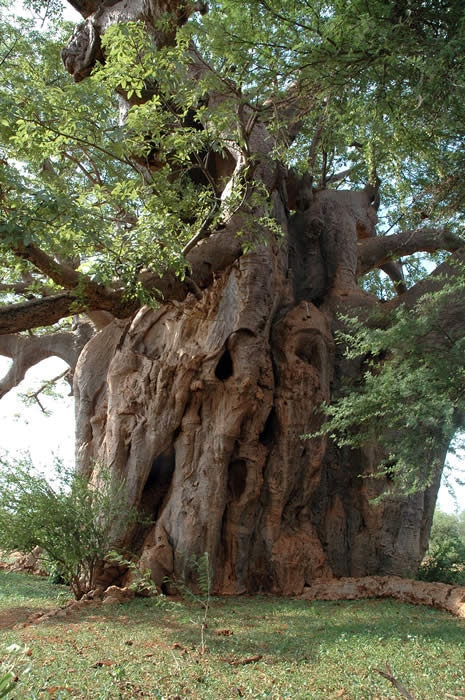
(283, 628)
(276, 627)
(300, 630)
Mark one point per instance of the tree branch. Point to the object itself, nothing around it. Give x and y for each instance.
(84, 294)
(397, 684)
(34, 395)
(28, 350)
(375, 252)
(209, 256)
(85, 7)
(454, 312)
(60, 273)
(15, 318)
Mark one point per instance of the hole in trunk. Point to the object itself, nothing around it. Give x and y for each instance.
(237, 479)
(309, 351)
(224, 368)
(158, 482)
(267, 434)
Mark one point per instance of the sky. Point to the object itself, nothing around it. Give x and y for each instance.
(27, 429)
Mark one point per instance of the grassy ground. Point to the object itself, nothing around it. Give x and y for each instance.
(314, 650)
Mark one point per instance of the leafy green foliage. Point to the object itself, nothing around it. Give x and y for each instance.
(408, 399)
(378, 91)
(75, 521)
(384, 85)
(445, 558)
(381, 88)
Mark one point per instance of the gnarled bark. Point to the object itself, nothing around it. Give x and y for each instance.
(201, 405)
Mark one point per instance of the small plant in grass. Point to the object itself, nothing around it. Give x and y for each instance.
(73, 521)
(200, 572)
(6, 683)
(194, 586)
(142, 581)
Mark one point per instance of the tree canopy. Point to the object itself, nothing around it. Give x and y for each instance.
(123, 186)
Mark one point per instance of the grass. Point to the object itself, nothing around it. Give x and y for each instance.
(318, 650)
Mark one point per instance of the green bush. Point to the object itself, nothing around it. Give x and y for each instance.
(56, 573)
(75, 522)
(445, 558)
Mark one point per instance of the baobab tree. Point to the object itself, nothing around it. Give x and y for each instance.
(211, 196)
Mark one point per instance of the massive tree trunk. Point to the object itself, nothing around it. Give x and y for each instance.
(201, 406)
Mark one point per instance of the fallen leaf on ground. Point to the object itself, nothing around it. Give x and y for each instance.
(103, 663)
(249, 660)
(56, 688)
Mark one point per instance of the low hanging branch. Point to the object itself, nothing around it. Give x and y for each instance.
(374, 252)
(15, 318)
(28, 350)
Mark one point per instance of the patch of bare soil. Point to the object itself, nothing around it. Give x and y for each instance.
(11, 617)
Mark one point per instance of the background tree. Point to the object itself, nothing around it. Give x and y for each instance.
(216, 234)
(445, 558)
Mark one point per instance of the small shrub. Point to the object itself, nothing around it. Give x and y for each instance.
(56, 573)
(75, 522)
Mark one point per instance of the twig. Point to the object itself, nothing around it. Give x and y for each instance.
(249, 660)
(50, 382)
(397, 684)
(203, 231)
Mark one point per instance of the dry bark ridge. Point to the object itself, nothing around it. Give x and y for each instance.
(200, 405)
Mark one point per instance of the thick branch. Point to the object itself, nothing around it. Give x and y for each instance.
(375, 252)
(210, 256)
(394, 272)
(85, 7)
(431, 283)
(15, 318)
(84, 295)
(27, 351)
(62, 274)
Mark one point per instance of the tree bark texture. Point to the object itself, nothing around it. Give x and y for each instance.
(201, 404)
